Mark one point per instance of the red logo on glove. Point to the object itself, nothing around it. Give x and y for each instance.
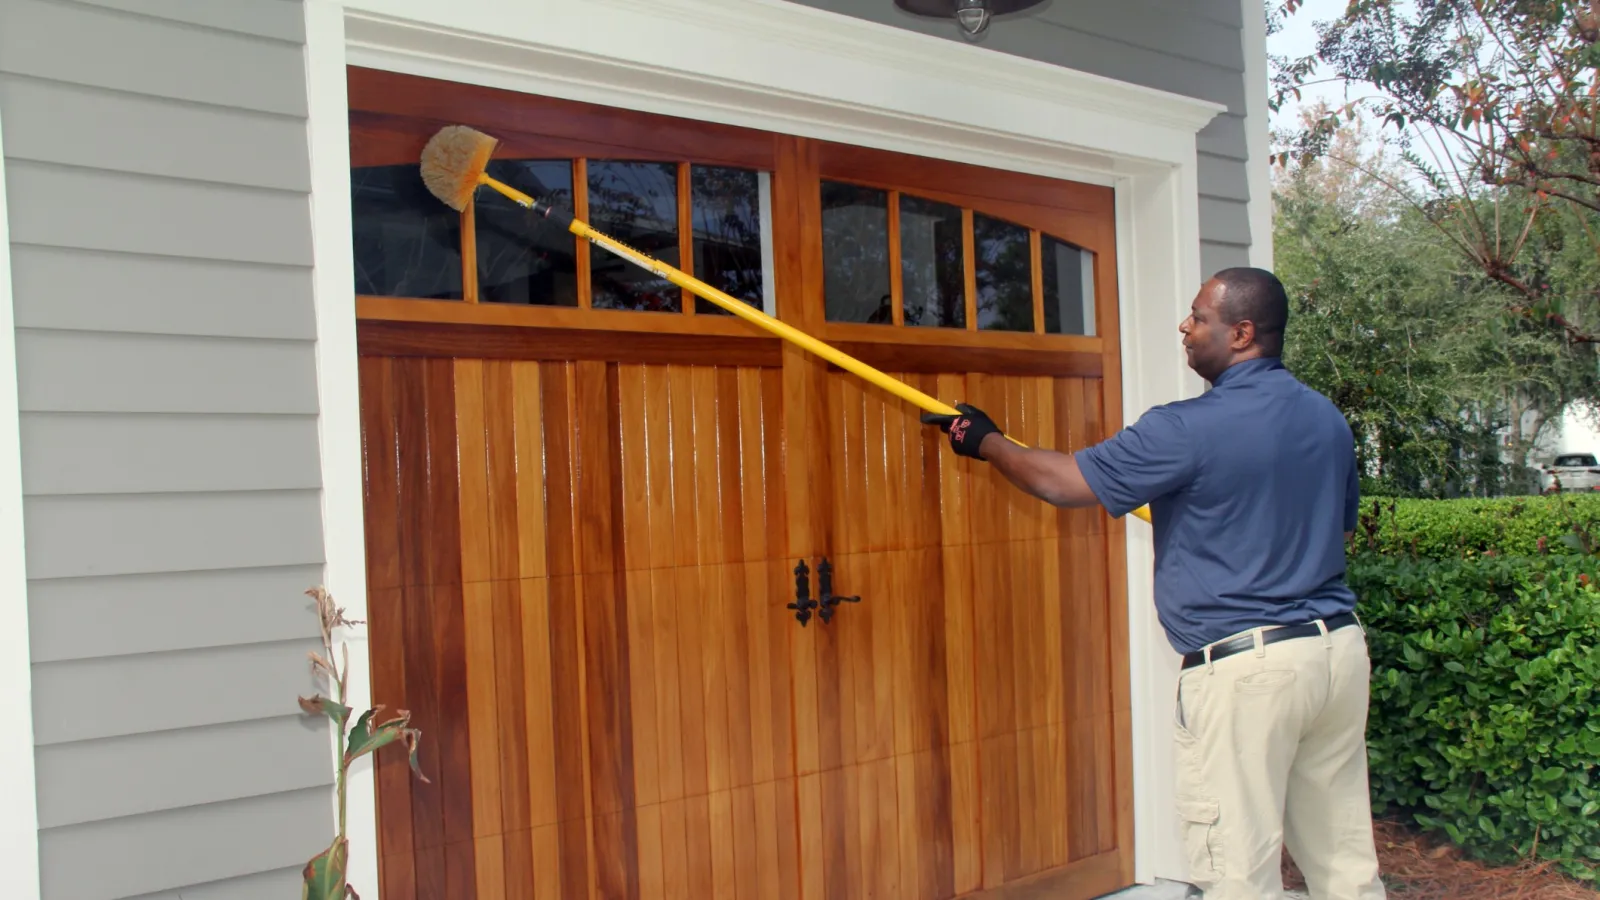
(958, 429)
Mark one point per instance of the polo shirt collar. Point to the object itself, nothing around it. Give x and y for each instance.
(1247, 369)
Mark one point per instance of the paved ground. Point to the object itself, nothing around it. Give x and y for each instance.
(1171, 890)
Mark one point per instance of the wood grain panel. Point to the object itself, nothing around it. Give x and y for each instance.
(409, 420)
(582, 528)
(970, 183)
(512, 115)
(637, 342)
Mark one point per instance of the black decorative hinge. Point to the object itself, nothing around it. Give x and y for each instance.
(803, 604)
(828, 600)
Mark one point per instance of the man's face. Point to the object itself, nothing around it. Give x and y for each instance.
(1208, 342)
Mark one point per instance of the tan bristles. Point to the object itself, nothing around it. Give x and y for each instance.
(452, 162)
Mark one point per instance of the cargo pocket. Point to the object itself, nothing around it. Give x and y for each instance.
(1201, 841)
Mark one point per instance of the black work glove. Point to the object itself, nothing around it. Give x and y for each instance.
(966, 431)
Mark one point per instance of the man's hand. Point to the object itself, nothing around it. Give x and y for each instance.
(966, 431)
(1052, 477)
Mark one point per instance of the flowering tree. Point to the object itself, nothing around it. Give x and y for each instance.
(1494, 107)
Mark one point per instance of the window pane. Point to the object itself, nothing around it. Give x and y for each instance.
(406, 243)
(1068, 287)
(855, 253)
(637, 204)
(726, 211)
(524, 258)
(932, 274)
(1005, 275)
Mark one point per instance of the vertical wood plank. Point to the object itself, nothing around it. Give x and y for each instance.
(561, 517)
(392, 774)
(686, 525)
(729, 480)
(571, 768)
(381, 483)
(658, 466)
(472, 457)
(540, 699)
(421, 670)
(528, 425)
(489, 854)
(607, 668)
(710, 550)
(635, 468)
(484, 735)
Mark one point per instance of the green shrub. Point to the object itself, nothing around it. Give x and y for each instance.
(1453, 529)
(1485, 677)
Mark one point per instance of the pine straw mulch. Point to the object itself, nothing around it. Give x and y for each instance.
(1417, 867)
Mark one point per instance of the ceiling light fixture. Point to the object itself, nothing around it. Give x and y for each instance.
(972, 15)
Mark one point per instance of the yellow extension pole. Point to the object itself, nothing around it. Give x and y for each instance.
(755, 316)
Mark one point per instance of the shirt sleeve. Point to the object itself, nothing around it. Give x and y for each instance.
(1152, 458)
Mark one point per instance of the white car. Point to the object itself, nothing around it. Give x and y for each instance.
(1572, 472)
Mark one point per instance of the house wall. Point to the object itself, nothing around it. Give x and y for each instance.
(1188, 47)
(157, 173)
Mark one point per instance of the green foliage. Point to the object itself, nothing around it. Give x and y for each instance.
(1496, 107)
(1467, 528)
(1405, 336)
(324, 876)
(1485, 677)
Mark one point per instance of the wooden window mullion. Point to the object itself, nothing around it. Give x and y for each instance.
(469, 251)
(686, 234)
(897, 303)
(969, 266)
(580, 209)
(1036, 273)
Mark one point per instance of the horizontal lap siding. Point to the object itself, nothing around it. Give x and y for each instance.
(157, 175)
(1189, 47)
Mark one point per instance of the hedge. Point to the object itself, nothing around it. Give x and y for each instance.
(1485, 676)
(1453, 529)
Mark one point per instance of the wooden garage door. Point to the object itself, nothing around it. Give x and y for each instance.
(587, 496)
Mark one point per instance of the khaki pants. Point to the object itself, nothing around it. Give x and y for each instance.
(1271, 750)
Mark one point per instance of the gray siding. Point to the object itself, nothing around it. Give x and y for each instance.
(158, 175)
(1189, 47)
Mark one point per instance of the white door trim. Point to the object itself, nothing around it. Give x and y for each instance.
(339, 400)
(1257, 133)
(783, 67)
(19, 812)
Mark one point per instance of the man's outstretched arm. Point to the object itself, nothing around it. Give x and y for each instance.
(1153, 458)
(1051, 476)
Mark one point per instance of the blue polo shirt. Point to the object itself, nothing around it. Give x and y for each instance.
(1251, 487)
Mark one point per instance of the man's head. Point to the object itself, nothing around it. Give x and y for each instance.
(1239, 314)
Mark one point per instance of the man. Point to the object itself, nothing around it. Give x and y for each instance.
(1252, 489)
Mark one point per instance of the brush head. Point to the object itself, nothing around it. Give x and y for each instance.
(452, 161)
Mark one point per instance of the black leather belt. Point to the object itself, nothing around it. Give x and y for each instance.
(1248, 642)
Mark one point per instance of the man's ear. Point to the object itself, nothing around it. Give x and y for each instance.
(1243, 334)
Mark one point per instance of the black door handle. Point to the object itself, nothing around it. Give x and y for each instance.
(803, 604)
(828, 600)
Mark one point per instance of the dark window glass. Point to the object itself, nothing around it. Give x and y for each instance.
(932, 267)
(855, 253)
(1004, 275)
(405, 242)
(637, 204)
(524, 258)
(1068, 287)
(726, 211)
